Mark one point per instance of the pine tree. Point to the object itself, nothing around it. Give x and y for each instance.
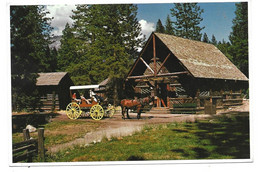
(187, 20)
(224, 48)
(30, 38)
(239, 37)
(51, 60)
(112, 39)
(214, 40)
(71, 50)
(159, 27)
(72, 55)
(205, 38)
(168, 26)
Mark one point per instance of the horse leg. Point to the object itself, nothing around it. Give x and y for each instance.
(138, 112)
(123, 112)
(128, 117)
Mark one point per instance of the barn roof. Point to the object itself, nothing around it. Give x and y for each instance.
(104, 82)
(52, 78)
(201, 59)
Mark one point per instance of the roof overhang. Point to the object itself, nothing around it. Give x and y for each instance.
(82, 87)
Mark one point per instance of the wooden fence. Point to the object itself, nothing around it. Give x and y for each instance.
(193, 105)
(183, 105)
(50, 102)
(27, 149)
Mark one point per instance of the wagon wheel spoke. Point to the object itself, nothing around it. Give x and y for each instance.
(96, 112)
(73, 110)
(110, 111)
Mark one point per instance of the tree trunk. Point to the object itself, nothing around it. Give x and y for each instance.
(115, 97)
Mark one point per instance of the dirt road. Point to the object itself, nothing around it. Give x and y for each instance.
(117, 127)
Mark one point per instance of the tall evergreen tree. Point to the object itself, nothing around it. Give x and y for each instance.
(112, 39)
(30, 35)
(187, 20)
(205, 38)
(168, 26)
(214, 40)
(239, 37)
(224, 48)
(159, 27)
(72, 55)
(72, 49)
(51, 60)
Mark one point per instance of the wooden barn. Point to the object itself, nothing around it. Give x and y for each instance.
(54, 90)
(185, 75)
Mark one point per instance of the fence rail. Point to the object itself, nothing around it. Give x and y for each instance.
(27, 149)
(226, 99)
(180, 101)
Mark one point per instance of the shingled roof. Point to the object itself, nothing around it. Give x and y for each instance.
(201, 59)
(52, 78)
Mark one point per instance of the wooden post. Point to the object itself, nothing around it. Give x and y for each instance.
(26, 135)
(41, 151)
(222, 97)
(158, 102)
(154, 56)
(210, 96)
(53, 101)
(198, 98)
(168, 98)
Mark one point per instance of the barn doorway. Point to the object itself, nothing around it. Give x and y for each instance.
(162, 94)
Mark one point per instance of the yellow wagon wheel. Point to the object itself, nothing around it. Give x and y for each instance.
(110, 111)
(73, 110)
(97, 112)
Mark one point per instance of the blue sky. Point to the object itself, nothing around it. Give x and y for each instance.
(217, 17)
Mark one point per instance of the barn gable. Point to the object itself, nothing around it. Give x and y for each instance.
(199, 59)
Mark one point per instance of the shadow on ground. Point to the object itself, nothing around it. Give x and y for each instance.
(135, 158)
(19, 122)
(226, 135)
(229, 133)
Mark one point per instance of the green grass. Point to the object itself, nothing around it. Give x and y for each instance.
(58, 132)
(220, 138)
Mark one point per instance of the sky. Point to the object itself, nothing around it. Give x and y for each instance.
(217, 17)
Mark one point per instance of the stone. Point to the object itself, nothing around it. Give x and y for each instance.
(31, 128)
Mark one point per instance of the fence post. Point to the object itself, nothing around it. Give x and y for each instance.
(41, 151)
(198, 98)
(53, 101)
(26, 135)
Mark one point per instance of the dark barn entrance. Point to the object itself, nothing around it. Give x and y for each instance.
(162, 94)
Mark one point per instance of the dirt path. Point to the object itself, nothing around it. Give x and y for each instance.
(117, 127)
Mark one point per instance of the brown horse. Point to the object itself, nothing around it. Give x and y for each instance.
(127, 104)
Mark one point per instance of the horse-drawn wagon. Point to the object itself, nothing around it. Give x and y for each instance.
(94, 105)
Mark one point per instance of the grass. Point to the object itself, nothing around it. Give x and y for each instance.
(218, 138)
(58, 132)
